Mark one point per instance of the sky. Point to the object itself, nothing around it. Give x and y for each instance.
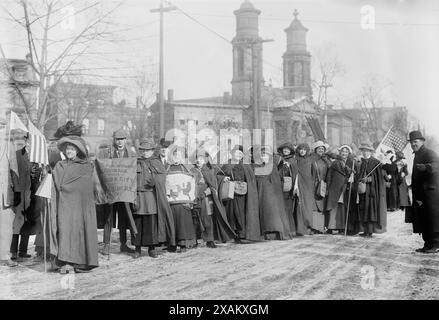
(402, 49)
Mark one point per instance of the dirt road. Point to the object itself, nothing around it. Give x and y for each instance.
(311, 267)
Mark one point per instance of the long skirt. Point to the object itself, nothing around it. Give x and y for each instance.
(203, 225)
(235, 209)
(299, 218)
(335, 219)
(289, 208)
(147, 230)
(184, 226)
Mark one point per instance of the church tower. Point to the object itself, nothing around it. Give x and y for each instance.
(247, 32)
(297, 61)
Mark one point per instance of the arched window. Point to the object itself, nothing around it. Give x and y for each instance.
(241, 61)
(85, 126)
(101, 127)
(298, 74)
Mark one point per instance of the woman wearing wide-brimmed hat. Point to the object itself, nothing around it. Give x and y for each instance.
(372, 193)
(243, 209)
(73, 201)
(402, 200)
(305, 182)
(319, 170)
(287, 167)
(339, 180)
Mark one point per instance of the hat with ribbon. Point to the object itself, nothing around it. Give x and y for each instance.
(415, 135)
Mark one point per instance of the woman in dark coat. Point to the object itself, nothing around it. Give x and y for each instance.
(305, 182)
(403, 200)
(319, 170)
(340, 179)
(146, 211)
(372, 203)
(390, 178)
(273, 217)
(185, 236)
(287, 167)
(208, 210)
(242, 210)
(73, 201)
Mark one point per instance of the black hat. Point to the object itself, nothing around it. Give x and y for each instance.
(399, 155)
(415, 135)
(164, 143)
(287, 145)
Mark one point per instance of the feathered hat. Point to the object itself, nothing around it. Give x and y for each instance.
(69, 129)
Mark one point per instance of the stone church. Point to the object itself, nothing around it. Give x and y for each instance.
(287, 109)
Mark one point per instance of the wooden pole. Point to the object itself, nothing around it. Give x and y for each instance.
(349, 200)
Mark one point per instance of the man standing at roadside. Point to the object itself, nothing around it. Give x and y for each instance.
(117, 150)
(425, 187)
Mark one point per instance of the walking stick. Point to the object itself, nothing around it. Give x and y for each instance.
(349, 201)
(44, 234)
(111, 230)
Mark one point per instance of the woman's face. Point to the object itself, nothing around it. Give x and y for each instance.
(320, 151)
(302, 152)
(366, 153)
(265, 157)
(147, 153)
(238, 155)
(201, 161)
(344, 153)
(71, 151)
(286, 151)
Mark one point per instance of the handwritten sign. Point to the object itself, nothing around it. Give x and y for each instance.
(118, 179)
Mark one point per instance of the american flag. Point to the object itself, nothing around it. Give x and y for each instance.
(393, 140)
(38, 146)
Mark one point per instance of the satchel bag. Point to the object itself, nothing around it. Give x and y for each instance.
(321, 189)
(288, 182)
(361, 187)
(240, 187)
(209, 206)
(227, 190)
(321, 185)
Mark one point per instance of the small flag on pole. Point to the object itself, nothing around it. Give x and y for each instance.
(393, 140)
(38, 146)
(16, 123)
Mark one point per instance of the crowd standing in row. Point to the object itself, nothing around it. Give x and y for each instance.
(296, 191)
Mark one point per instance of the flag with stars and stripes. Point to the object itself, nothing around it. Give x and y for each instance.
(393, 140)
(38, 146)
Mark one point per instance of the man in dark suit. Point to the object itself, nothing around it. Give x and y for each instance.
(119, 149)
(425, 187)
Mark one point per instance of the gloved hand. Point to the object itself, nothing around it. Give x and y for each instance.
(17, 199)
(421, 167)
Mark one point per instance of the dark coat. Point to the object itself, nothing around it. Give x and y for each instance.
(425, 186)
(165, 220)
(26, 183)
(372, 206)
(73, 219)
(337, 180)
(252, 221)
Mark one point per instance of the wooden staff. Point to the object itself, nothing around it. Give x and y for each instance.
(349, 201)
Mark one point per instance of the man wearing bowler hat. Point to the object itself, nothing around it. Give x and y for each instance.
(118, 150)
(425, 187)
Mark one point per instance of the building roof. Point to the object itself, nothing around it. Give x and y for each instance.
(206, 104)
(296, 24)
(247, 6)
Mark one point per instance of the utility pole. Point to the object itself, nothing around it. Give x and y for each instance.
(325, 86)
(256, 82)
(162, 10)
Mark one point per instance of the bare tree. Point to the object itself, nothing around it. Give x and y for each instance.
(372, 97)
(328, 67)
(144, 90)
(59, 35)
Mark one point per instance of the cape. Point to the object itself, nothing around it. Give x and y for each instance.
(253, 225)
(165, 219)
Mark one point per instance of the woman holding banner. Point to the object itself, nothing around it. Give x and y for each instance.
(73, 201)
